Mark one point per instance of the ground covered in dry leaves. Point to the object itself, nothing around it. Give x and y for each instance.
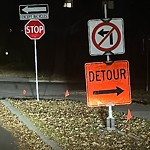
(74, 126)
(25, 139)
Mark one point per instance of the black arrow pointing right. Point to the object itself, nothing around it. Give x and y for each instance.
(111, 91)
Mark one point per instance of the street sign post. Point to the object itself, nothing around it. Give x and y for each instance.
(107, 84)
(35, 29)
(106, 36)
(34, 11)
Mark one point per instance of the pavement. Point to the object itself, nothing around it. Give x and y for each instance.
(7, 141)
(137, 110)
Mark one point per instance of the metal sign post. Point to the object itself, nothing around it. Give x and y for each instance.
(35, 29)
(105, 10)
(110, 119)
(105, 14)
(36, 70)
(147, 74)
(108, 82)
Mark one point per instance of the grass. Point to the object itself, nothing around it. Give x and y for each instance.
(24, 138)
(74, 126)
(22, 70)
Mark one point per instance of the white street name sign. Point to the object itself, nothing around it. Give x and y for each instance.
(34, 11)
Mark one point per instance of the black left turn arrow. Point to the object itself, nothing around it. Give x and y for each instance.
(102, 33)
(111, 91)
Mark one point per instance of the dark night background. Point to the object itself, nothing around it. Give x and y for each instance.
(63, 50)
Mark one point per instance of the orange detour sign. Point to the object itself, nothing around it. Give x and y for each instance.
(107, 83)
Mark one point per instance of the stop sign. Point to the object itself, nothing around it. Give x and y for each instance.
(34, 29)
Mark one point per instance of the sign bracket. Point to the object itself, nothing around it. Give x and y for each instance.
(106, 19)
(108, 61)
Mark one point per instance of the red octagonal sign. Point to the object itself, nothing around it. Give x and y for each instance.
(34, 29)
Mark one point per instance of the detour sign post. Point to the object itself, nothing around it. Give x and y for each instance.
(107, 83)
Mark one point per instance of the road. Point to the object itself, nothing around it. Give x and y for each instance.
(24, 88)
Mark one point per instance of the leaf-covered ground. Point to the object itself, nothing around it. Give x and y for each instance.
(25, 138)
(74, 126)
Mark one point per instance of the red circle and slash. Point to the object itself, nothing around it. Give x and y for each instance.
(98, 45)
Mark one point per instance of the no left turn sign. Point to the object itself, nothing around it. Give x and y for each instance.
(106, 36)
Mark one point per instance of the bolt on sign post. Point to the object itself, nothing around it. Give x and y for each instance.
(107, 83)
(35, 29)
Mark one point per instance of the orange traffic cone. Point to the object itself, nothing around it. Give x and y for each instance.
(66, 93)
(24, 92)
(129, 115)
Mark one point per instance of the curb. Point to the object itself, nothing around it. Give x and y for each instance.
(23, 119)
(23, 79)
